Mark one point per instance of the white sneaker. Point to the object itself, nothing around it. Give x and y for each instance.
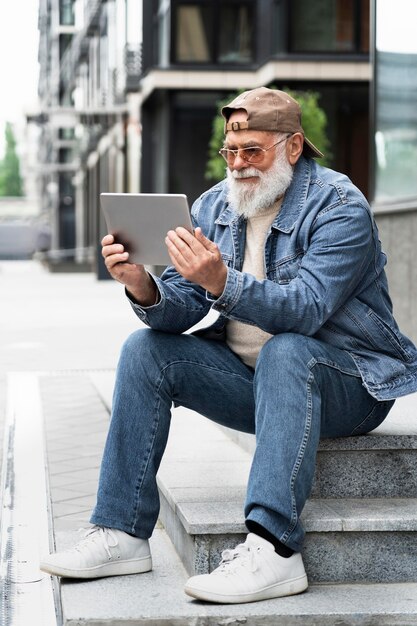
(252, 571)
(102, 552)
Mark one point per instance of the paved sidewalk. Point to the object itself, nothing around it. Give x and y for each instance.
(63, 325)
(76, 423)
(58, 322)
(60, 334)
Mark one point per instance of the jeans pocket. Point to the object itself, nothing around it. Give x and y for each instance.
(374, 418)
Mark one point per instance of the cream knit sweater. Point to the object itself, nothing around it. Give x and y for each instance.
(244, 339)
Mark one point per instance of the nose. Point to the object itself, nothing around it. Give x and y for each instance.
(239, 163)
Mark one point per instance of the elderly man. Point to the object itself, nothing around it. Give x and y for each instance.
(305, 346)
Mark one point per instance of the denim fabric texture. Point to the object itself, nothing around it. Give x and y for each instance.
(325, 278)
(301, 389)
(333, 367)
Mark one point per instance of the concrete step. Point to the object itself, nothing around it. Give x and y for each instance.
(202, 483)
(157, 599)
(380, 464)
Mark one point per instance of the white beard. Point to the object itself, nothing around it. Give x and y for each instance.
(249, 199)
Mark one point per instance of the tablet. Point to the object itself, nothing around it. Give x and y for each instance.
(140, 221)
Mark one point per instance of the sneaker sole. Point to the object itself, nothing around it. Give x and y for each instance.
(279, 590)
(119, 568)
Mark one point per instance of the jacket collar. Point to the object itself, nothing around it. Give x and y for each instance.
(295, 196)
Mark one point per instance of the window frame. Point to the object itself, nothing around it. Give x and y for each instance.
(213, 39)
(356, 34)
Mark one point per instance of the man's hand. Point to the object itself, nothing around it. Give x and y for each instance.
(134, 277)
(197, 259)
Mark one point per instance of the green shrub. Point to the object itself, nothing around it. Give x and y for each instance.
(10, 179)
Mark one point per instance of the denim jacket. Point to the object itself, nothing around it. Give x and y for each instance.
(325, 278)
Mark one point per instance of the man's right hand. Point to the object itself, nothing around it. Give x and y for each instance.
(134, 277)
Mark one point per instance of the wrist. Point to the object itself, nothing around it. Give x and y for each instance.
(146, 294)
(218, 288)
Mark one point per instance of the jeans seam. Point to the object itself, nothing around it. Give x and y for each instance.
(343, 370)
(210, 367)
(145, 464)
(142, 474)
(307, 430)
(368, 417)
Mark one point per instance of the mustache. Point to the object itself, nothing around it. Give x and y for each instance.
(249, 172)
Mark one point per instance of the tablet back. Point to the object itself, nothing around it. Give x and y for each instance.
(140, 221)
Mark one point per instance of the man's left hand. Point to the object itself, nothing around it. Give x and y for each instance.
(197, 259)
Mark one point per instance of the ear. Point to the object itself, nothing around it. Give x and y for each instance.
(295, 147)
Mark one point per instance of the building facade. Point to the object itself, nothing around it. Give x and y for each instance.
(89, 55)
(196, 53)
(129, 90)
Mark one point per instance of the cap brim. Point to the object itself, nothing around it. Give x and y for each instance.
(310, 150)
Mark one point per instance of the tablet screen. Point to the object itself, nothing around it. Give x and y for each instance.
(141, 221)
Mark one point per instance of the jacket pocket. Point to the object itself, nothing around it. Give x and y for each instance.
(389, 334)
(373, 332)
(227, 259)
(288, 268)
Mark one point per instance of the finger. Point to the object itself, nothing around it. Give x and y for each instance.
(116, 248)
(174, 250)
(190, 240)
(107, 240)
(184, 234)
(181, 245)
(207, 243)
(176, 257)
(115, 259)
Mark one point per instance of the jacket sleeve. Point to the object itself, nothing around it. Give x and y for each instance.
(341, 248)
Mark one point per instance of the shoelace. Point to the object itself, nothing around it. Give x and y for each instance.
(105, 535)
(238, 557)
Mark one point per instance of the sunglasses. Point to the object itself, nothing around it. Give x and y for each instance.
(253, 154)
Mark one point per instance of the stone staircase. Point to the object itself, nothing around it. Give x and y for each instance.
(361, 523)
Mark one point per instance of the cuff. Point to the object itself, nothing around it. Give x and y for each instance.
(231, 293)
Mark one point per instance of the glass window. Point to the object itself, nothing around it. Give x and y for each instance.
(66, 187)
(214, 32)
(330, 26)
(364, 27)
(64, 42)
(66, 133)
(395, 101)
(279, 27)
(66, 13)
(193, 33)
(235, 44)
(65, 155)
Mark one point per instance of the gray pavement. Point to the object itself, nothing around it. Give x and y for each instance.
(58, 322)
(55, 330)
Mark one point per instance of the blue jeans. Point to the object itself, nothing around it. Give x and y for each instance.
(301, 389)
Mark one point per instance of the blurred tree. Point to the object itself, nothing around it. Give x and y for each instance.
(10, 179)
(314, 123)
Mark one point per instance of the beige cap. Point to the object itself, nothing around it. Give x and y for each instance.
(269, 110)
